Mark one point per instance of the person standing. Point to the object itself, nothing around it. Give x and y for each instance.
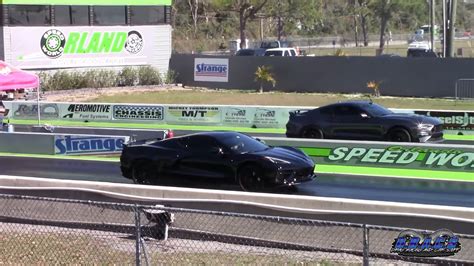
(3, 112)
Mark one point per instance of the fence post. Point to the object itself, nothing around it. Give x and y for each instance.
(366, 246)
(138, 236)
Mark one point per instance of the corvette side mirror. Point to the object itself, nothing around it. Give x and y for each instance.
(260, 140)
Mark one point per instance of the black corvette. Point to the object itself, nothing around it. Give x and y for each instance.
(362, 120)
(233, 156)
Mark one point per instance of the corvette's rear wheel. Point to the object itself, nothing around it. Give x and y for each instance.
(144, 173)
(399, 135)
(312, 133)
(250, 178)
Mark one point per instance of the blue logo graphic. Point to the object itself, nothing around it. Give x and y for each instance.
(438, 244)
(87, 144)
(214, 70)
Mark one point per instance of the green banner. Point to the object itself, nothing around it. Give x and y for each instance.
(90, 2)
(394, 156)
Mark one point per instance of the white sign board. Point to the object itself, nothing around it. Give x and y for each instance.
(211, 69)
(51, 47)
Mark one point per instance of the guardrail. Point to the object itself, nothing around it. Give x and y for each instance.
(63, 231)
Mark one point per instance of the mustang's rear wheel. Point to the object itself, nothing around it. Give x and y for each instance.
(250, 178)
(144, 173)
(399, 135)
(312, 133)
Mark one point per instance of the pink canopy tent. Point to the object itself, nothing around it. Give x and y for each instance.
(12, 78)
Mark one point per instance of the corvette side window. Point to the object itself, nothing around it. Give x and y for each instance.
(201, 144)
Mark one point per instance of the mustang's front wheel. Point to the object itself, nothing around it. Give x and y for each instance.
(250, 178)
(143, 173)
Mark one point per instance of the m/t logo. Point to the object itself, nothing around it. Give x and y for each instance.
(193, 113)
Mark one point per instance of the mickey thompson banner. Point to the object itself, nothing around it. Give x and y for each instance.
(233, 116)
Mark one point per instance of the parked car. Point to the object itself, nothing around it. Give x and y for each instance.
(281, 52)
(226, 155)
(420, 49)
(250, 52)
(362, 120)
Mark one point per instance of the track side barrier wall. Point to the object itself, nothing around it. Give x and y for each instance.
(293, 203)
(60, 144)
(210, 115)
(384, 154)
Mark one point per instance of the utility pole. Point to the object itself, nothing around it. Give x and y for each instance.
(452, 4)
(279, 20)
(432, 20)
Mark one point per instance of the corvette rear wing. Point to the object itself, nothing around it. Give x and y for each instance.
(166, 134)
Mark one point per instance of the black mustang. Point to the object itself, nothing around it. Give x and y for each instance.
(230, 155)
(363, 121)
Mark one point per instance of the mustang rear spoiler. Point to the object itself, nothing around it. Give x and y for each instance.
(297, 112)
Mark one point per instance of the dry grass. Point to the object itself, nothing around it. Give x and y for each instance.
(226, 97)
(83, 248)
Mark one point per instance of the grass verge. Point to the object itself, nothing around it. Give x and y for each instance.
(238, 97)
(84, 248)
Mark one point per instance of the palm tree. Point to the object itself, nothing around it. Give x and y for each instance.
(264, 74)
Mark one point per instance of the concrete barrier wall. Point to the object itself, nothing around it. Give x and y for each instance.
(419, 77)
(62, 144)
(29, 143)
(384, 154)
(289, 203)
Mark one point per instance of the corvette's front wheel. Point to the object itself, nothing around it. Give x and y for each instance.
(250, 178)
(144, 173)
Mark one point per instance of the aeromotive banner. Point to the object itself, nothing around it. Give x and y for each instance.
(51, 47)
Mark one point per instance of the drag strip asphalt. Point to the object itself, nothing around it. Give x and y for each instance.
(110, 172)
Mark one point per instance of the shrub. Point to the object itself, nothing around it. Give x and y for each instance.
(100, 78)
(128, 77)
(170, 77)
(148, 75)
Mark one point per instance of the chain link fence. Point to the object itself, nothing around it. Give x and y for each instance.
(37, 230)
